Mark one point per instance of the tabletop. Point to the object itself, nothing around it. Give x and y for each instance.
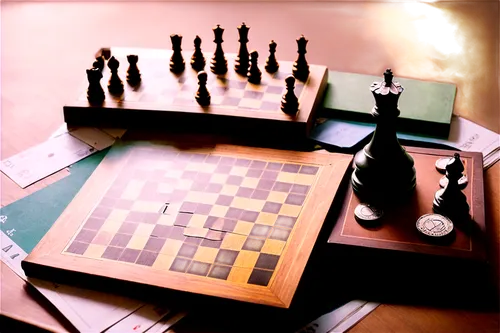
(46, 46)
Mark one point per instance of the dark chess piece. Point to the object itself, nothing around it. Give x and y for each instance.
(177, 64)
(271, 62)
(95, 93)
(115, 84)
(241, 63)
(290, 102)
(218, 65)
(133, 73)
(451, 201)
(254, 74)
(99, 63)
(202, 95)
(197, 60)
(384, 171)
(300, 66)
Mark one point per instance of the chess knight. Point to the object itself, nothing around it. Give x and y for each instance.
(384, 172)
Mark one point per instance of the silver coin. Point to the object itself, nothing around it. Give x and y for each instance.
(366, 212)
(434, 225)
(441, 164)
(462, 182)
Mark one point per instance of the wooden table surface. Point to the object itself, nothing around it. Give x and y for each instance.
(46, 47)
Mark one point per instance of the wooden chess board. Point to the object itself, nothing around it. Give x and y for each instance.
(398, 230)
(227, 221)
(164, 98)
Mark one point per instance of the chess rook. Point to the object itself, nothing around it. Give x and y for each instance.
(115, 84)
(300, 66)
(177, 64)
(254, 73)
(384, 171)
(290, 102)
(271, 62)
(197, 59)
(218, 65)
(241, 63)
(133, 73)
(451, 201)
(202, 95)
(95, 93)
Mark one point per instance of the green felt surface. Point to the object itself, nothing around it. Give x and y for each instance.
(421, 100)
(32, 216)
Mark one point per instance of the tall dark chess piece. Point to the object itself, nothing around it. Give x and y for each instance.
(254, 74)
(241, 63)
(99, 63)
(451, 201)
(115, 84)
(384, 171)
(290, 102)
(177, 64)
(300, 66)
(95, 93)
(271, 62)
(133, 73)
(197, 60)
(218, 65)
(202, 95)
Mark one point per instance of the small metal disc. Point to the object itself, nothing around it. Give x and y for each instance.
(462, 182)
(365, 213)
(435, 226)
(441, 164)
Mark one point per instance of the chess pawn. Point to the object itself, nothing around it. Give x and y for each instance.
(289, 101)
(300, 66)
(254, 73)
(133, 73)
(451, 201)
(218, 65)
(384, 172)
(202, 95)
(95, 93)
(241, 62)
(271, 62)
(197, 60)
(115, 84)
(177, 64)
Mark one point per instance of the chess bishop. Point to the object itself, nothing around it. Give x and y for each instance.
(384, 172)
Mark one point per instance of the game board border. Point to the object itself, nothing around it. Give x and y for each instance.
(47, 258)
(477, 251)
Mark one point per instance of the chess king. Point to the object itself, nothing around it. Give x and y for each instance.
(384, 172)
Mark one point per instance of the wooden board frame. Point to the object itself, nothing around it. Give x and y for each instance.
(152, 114)
(47, 258)
(370, 238)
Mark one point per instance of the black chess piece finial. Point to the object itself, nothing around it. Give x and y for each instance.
(218, 65)
(254, 74)
(384, 172)
(133, 73)
(177, 64)
(202, 95)
(271, 62)
(197, 60)
(241, 63)
(115, 84)
(451, 201)
(289, 101)
(99, 63)
(300, 66)
(95, 93)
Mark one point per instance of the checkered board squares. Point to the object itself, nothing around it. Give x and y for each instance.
(207, 214)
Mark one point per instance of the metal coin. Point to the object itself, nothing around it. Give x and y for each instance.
(441, 164)
(366, 212)
(462, 182)
(434, 225)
